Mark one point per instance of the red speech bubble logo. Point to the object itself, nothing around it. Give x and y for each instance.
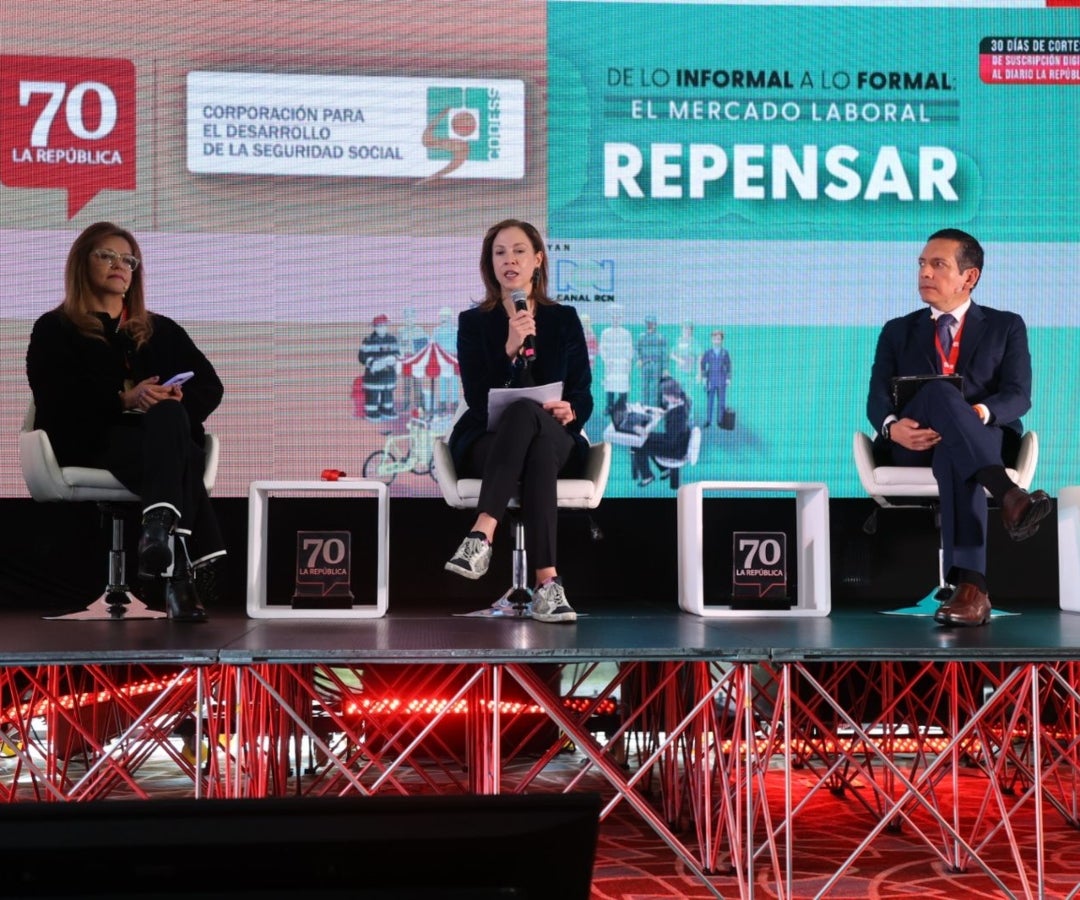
(69, 123)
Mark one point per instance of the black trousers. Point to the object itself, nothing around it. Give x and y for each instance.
(529, 448)
(153, 455)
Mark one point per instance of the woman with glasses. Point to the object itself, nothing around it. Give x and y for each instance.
(519, 337)
(97, 366)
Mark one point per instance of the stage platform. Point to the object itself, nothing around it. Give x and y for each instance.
(717, 733)
(635, 631)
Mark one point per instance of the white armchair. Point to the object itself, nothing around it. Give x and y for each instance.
(894, 487)
(48, 481)
(585, 492)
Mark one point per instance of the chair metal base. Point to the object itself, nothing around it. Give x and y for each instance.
(112, 606)
(117, 603)
(929, 604)
(514, 604)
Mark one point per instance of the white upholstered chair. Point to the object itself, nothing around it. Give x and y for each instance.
(914, 486)
(672, 463)
(48, 481)
(583, 493)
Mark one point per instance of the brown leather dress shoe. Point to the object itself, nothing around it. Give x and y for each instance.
(968, 606)
(1022, 512)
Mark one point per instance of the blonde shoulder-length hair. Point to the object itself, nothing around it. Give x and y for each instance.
(77, 293)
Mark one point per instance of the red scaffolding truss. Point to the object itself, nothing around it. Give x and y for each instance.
(696, 749)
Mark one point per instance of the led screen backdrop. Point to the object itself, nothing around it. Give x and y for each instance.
(295, 170)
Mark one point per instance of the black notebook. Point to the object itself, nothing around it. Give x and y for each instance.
(904, 387)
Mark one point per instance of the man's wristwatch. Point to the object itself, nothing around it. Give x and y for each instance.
(885, 429)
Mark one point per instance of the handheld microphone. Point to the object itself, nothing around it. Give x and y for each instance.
(528, 348)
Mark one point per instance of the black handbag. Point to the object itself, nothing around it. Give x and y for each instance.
(728, 421)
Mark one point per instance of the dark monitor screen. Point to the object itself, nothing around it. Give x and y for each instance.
(370, 848)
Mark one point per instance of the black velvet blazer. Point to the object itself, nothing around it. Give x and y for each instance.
(561, 355)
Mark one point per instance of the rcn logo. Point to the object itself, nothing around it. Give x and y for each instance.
(463, 125)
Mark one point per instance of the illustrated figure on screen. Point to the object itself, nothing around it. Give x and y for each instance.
(379, 355)
(716, 376)
(667, 433)
(652, 358)
(445, 335)
(591, 343)
(616, 352)
(97, 366)
(965, 435)
(684, 357)
(411, 340)
(500, 345)
(685, 360)
(357, 396)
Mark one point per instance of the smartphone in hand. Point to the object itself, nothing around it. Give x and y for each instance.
(178, 379)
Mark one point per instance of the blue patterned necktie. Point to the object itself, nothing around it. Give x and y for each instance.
(944, 331)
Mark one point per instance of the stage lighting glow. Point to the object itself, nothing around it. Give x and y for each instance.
(434, 706)
(24, 711)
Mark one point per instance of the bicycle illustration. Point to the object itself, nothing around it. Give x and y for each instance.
(408, 452)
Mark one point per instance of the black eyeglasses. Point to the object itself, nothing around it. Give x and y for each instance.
(112, 258)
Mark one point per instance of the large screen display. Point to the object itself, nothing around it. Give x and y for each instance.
(733, 195)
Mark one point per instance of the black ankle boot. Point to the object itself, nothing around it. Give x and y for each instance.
(155, 554)
(182, 602)
(209, 578)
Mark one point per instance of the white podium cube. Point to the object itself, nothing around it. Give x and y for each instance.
(259, 494)
(1068, 534)
(811, 547)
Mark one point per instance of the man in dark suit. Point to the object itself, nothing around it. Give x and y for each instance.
(964, 436)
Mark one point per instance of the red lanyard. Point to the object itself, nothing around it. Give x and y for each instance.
(948, 364)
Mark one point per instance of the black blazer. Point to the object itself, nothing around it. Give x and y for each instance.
(561, 355)
(76, 381)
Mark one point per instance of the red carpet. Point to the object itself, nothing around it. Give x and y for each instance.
(632, 863)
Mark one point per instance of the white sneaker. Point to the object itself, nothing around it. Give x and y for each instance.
(549, 603)
(472, 558)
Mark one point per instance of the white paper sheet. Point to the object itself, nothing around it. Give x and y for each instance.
(500, 398)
